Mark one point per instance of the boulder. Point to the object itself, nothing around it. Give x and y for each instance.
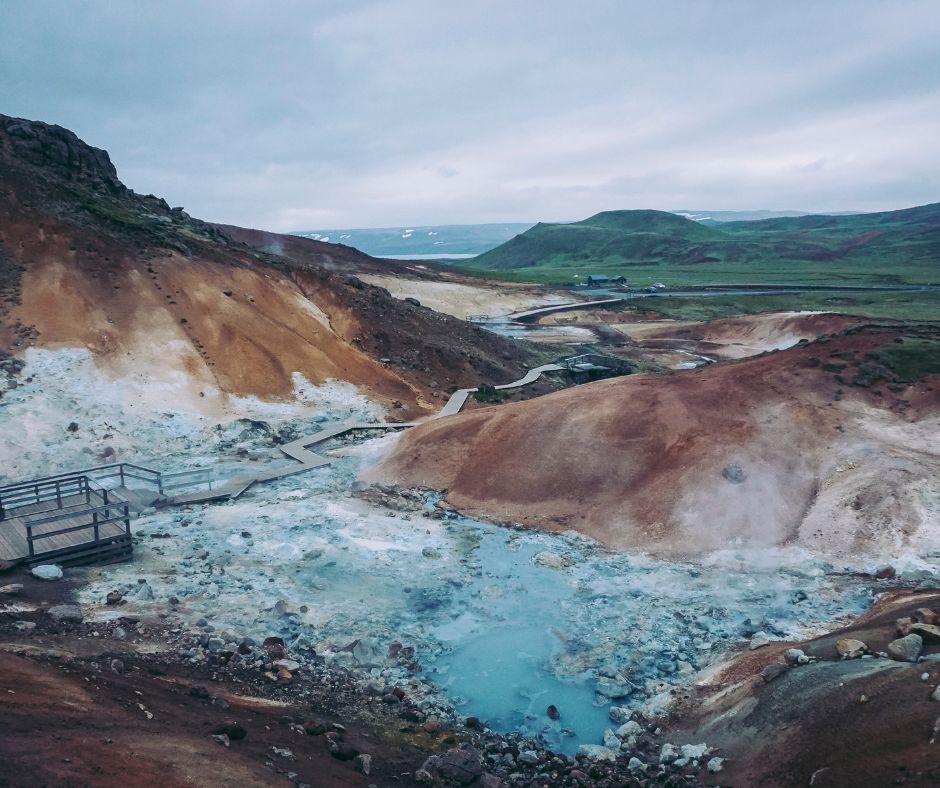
(925, 615)
(906, 649)
(930, 633)
(597, 752)
(759, 639)
(47, 572)
(12, 590)
(850, 648)
(66, 612)
(460, 766)
(617, 686)
(773, 671)
(904, 626)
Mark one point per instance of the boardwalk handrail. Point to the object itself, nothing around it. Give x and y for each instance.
(41, 490)
(117, 470)
(111, 502)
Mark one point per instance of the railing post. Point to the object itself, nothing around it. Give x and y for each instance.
(58, 494)
(121, 466)
(127, 519)
(29, 539)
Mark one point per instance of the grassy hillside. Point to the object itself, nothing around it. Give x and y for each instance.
(894, 247)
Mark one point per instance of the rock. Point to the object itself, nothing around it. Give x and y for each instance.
(668, 753)
(424, 777)
(628, 729)
(796, 656)
(114, 598)
(143, 592)
(734, 473)
(619, 714)
(274, 648)
(906, 649)
(611, 741)
(935, 695)
(284, 676)
(66, 612)
(367, 653)
(904, 626)
(288, 664)
(119, 633)
(850, 648)
(528, 757)
(552, 712)
(552, 560)
(596, 752)
(716, 764)
(885, 573)
(488, 780)
(759, 639)
(613, 686)
(930, 633)
(24, 626)
(117, 666)
(12, 590)
(6, 566)
(230, 728)
(430, 552)
(636, 765)
(460, 766)
(315, 727)
(924, 615)
(692, 751)
(47, 572)
(363, 763)
(412, 301)
(772, 671)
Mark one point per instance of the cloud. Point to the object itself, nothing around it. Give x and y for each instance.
(289, 115)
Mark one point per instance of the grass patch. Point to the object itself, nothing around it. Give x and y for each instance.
(910, 359)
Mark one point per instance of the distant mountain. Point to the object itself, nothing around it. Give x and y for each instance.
(446, 240)
(888, 246)
(719, 217)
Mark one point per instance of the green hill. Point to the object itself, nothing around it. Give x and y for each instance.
(893, 247)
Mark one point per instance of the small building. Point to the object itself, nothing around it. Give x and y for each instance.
(602, 280)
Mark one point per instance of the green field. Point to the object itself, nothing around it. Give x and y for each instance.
(879, 249)
(914, 306)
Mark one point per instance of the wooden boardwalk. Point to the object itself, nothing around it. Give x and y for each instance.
(72, 518)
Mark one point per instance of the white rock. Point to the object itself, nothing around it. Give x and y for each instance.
(668, 753)
(287, 664)
(597, 752)
(759, 639)
(552, 560)
(630, 728)
(47, 572)
(715, 764)
(13, 589)
(694, 750)
(636, 765)
(611, 740)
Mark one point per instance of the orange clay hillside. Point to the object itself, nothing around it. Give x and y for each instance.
(831, 445)
(85, 262)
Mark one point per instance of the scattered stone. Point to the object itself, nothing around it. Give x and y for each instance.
(363, 763)
(759, 639)
(616, 686)
(597, 752)
(114, 598)
(47, 572)
(24, 626)
(528, 757)
(716, 764)
(935, 695)
(773, 671)
(930, 633)
(552, 560)
(232, 729)
(906, 649)
(199, 692)
(668, 753)
(552, 712)
(315, 727)
(66, 612)
(904, 626)
(284, 676)
(274, 647)
(734, 473)
(692, 751)
(924, 615)
(12, 590)
(220, 739)
(430, 552)
(460, 766)
(288, 664)
(636, 765)
(796, 656)
(885, 573)
(117, 666)
(619, 714)
(119, 633)
(850, 648)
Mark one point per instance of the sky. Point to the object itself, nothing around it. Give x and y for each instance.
(289, 115)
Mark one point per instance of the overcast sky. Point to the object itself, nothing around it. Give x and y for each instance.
(319, 114)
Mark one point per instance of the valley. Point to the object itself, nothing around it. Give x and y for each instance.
(625, 532)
